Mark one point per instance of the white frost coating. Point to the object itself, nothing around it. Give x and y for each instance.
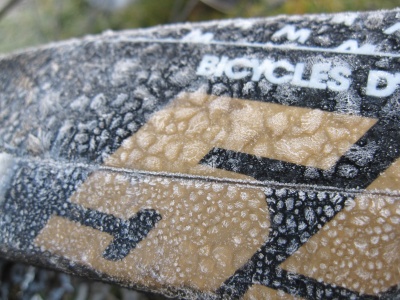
(348, 102)
(6, 171)
(244, 24)
(80, 104)
(347, 19)
(375, 20)
(124, 69)
(197, 36)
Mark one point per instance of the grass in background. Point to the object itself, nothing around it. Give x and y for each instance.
(34, 22)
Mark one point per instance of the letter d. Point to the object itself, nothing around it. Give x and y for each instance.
(375, 78)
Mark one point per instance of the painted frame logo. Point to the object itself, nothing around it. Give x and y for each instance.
(291, 217)
(274, 174)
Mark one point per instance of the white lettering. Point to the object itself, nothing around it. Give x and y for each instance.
(382, 84)
(322, 75)
(221, 66)
(207, 65)
(259, 70)
(292, 34)
(280, 64)
(392, 29)
(319, 75)
(298, 76)
(340, 82)
(238, 68)
(352, 46)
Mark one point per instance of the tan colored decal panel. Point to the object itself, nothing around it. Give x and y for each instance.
(176, 138)
(208, 230)
(388, 180)
(359, 249)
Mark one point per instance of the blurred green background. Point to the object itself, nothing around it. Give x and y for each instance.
(25, 23)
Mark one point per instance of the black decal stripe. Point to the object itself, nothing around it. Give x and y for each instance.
(391, 294)
(292, 227)
(260, 168)
(295, 217)
(53, 184)
(127, 233)
(373, 153)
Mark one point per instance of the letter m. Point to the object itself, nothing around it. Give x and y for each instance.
(292, 34)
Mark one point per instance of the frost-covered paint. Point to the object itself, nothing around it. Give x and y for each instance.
(254, 159)
(6, 173)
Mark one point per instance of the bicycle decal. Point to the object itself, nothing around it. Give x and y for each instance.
(201, 165)
(182, 138)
